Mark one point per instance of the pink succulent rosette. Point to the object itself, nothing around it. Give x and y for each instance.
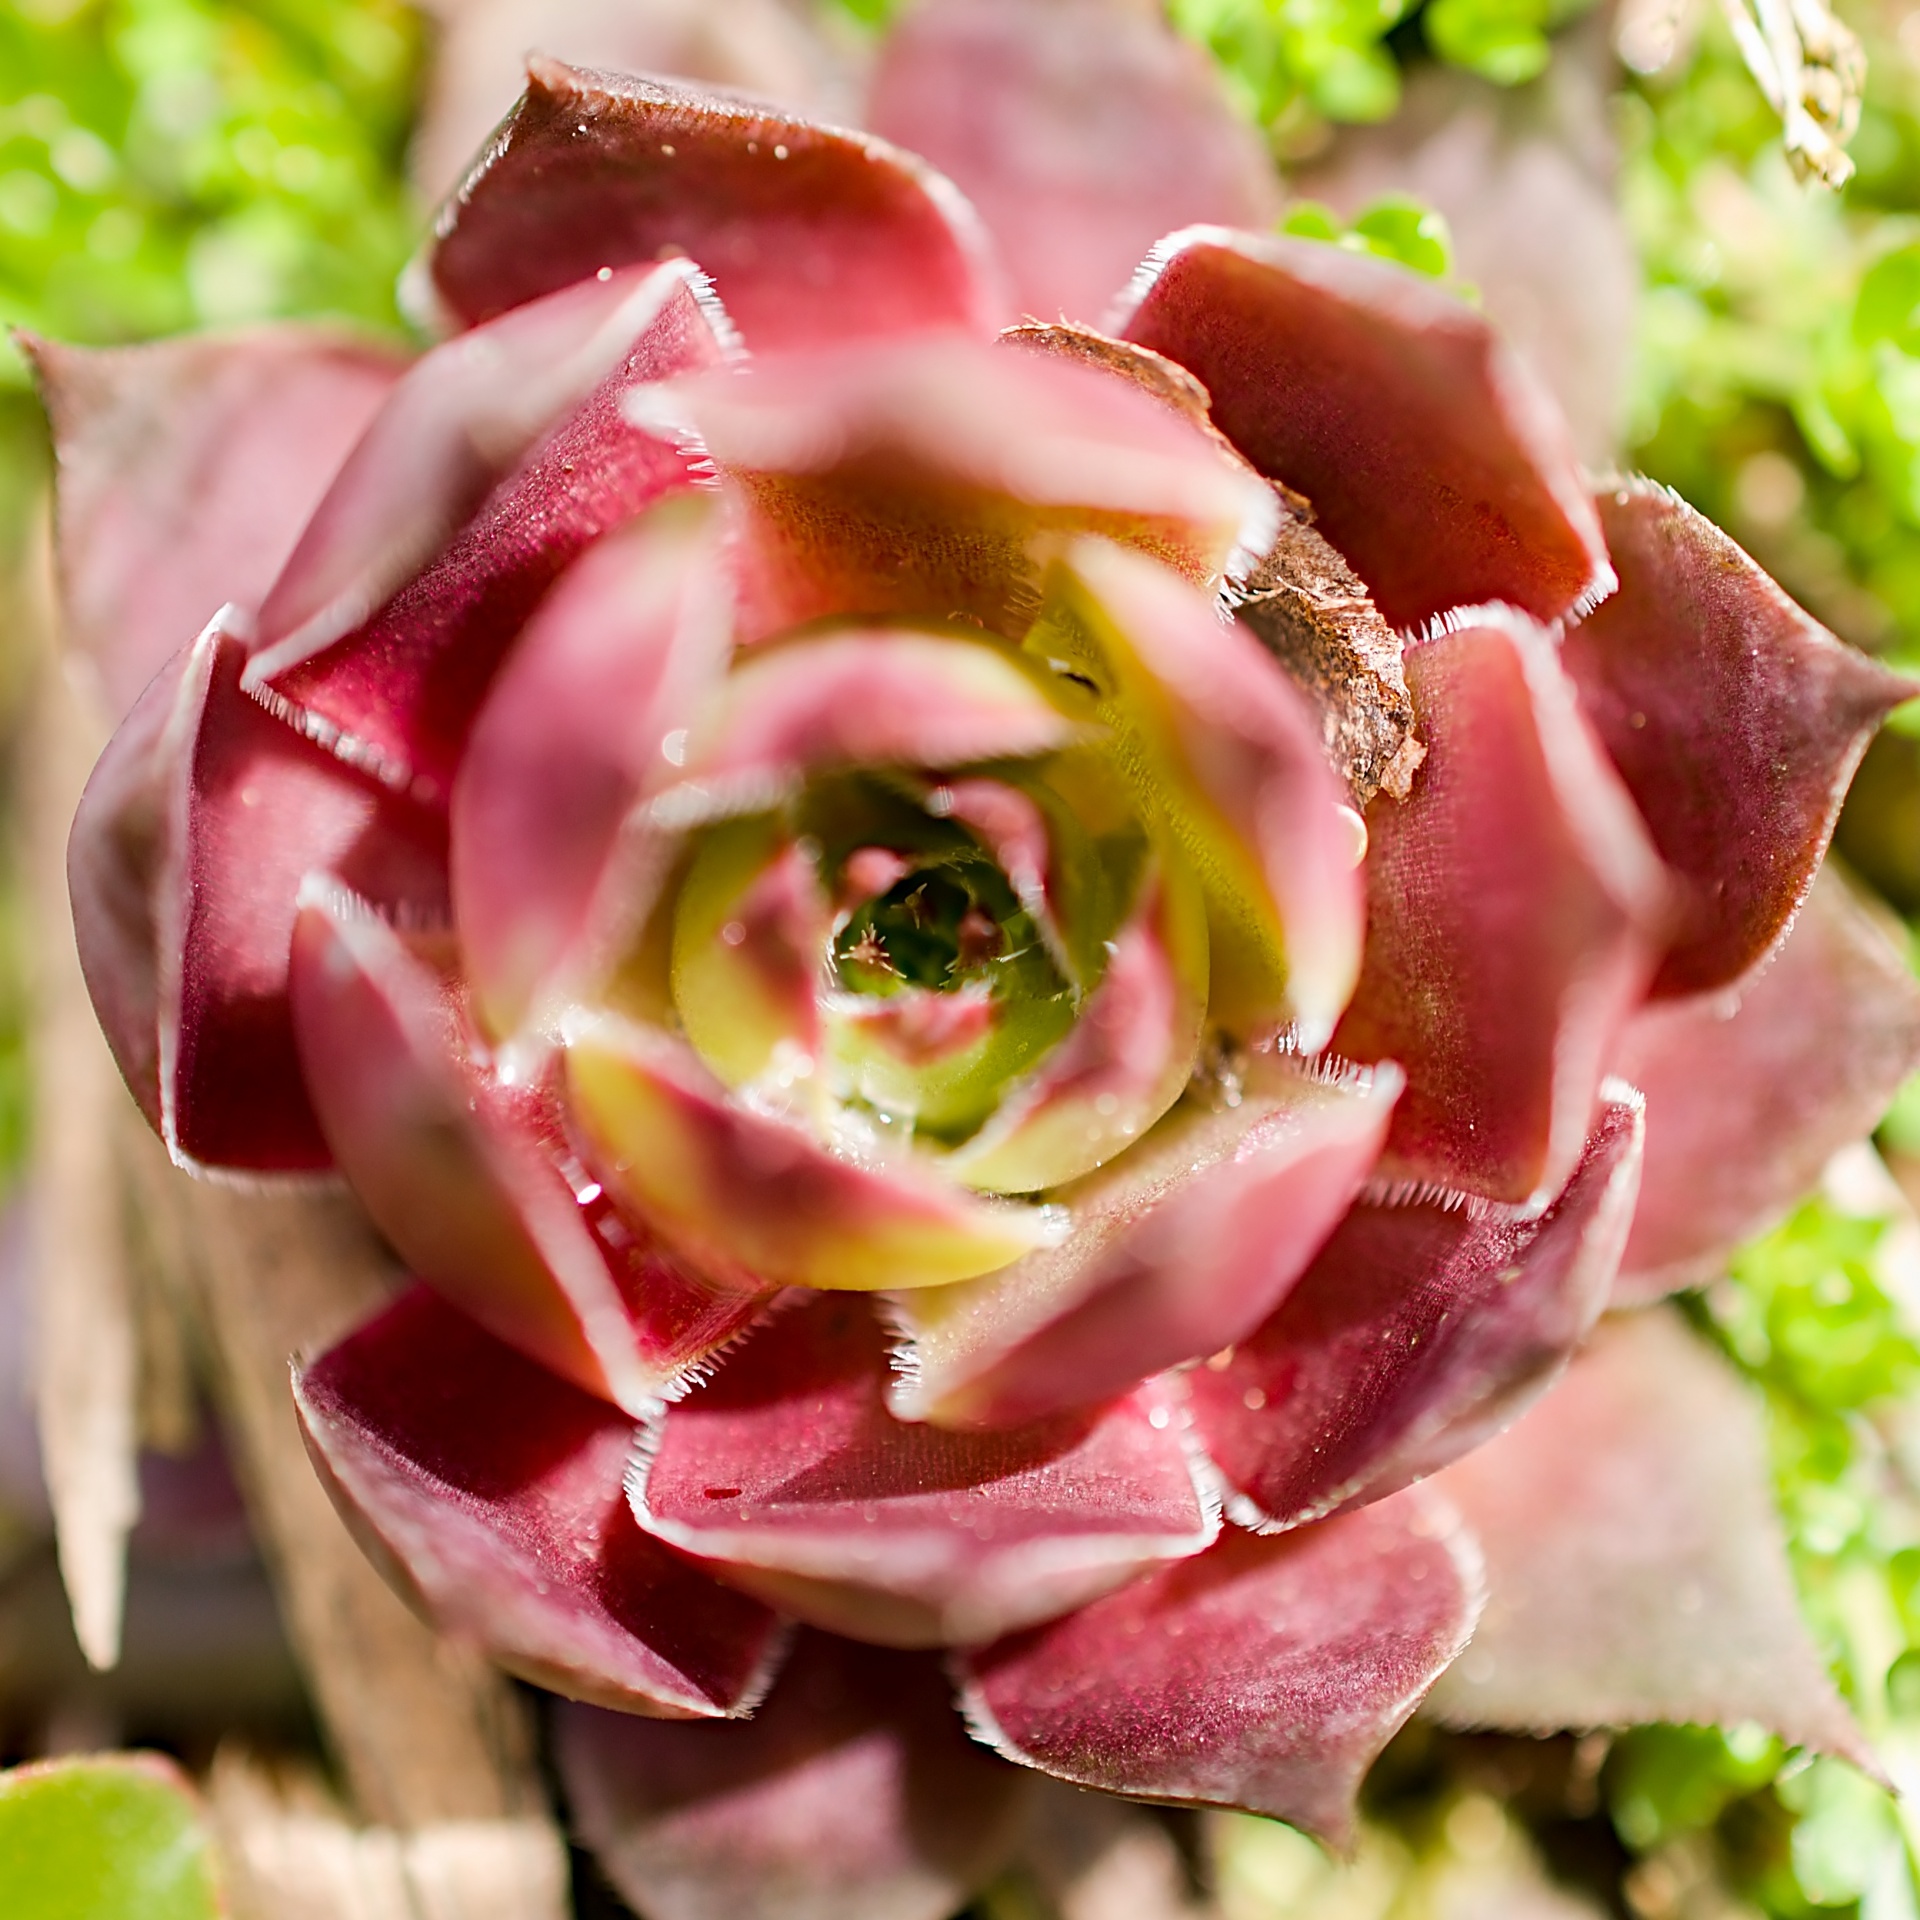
(939, 1085)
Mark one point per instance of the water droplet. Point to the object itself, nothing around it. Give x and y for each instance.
(1357, 835)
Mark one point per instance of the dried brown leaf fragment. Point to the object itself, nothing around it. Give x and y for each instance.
(1313, 614)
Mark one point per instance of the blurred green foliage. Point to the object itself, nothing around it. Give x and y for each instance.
(1778, 388)
(174, 163)
(1820, 1314)
(1292, 62)
(1778, 377)
(1394, 227)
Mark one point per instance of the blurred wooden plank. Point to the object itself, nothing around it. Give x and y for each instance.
(85, 1343)
(425, 1731)
(292, 1853)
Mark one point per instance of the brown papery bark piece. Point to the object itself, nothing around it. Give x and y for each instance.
(1314, 615)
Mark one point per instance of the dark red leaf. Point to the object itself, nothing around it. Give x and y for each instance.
(1734, 718)
(489, 1492)
(853, 1794)
(1419, 1330)
(1433, 459)
(1267, 1674)
(1746, 1102)
(811, 234)
(788, 1476)
(199, 824)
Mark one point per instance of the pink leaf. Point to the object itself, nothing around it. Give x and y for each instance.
(852, 1794)
(573, 733)
(868, 697)
(787, 1475)
(1181, 1246)
(463, 1172)
(1434, 460)
(1082, 130)
(1267, 1674)
(810, 233)
(1635, 1564)
(912, 478)
(1746, 1101)
(1512, 903)
(1419, 1330)
(379, 641)
(1735, 720)
(195, 832)
(187, 469)
(489, 1493)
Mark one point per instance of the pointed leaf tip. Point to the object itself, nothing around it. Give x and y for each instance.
(1434, 460)
(1735, 719)
(514, 1533)
(1265, 1675)
(1635, 1564)
(595, 170)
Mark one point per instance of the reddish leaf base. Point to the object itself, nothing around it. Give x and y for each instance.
(490, 1493)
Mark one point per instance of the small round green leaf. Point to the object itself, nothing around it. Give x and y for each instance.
(112, 1837)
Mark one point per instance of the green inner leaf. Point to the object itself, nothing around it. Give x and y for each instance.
(948, 994)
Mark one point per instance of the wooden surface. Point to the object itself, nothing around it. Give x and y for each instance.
(85, 1374)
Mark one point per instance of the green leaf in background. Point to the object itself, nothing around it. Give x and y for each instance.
(1504, 41)
(1394, 227)
(116, 1837)
(1292, 62)
(1777, 378)
(167, 164)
